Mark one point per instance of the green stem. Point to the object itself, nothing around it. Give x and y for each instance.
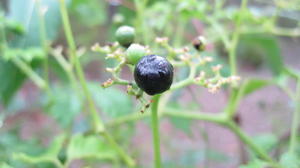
(141, 26)
(130, 162)
(96, 121)
(68, 32)
(29, 72)
(295, 123)
(195, 115)
(232, 54)
(292, 72)
(180, 31)
(235, 39)
(220, 30)
(235, 98)
(187, 81)
(246, 140)
(43, 38)
(155, 131)
(67, 68)
(169, 112)
(98, 125)
(58, 164)
(133, 117)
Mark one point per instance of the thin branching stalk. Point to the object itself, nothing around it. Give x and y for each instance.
(247, 141)
(29, 72)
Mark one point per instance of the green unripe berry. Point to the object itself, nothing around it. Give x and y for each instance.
(134, 53)
(125, 35)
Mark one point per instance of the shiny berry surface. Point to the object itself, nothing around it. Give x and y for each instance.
(153, 74)
(125, 35)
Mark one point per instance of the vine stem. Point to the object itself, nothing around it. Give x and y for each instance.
(67, 68)
(141, 25)
(295, 123)
(215, 118)
(43, 38)
(98, 125)
(155, 131)
(30, 73)
(245, 139)
(96, 120)
(234, 41)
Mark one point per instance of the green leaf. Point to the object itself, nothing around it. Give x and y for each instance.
(64, 105)
(11, 143)
(14, 27)
(25, 14)
(190, 8)
(91, 146)
(261, 47)
(255, 164)
(267, 141)
(49, 156)
(252, 85)
(4, 165)
(12, 81)
(159, 15)
(290, 160)
(113, 102)
(83, 10)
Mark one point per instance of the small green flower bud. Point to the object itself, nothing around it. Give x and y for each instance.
(134, 53)
(125, 35)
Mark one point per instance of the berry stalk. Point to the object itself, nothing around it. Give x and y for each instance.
(155, 131)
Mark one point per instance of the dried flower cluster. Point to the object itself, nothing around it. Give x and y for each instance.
(179, 57)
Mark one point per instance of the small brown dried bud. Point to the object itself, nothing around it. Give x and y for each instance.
(199, 43)
(107, 83)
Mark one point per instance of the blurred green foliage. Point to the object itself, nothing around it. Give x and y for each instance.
(96, 21)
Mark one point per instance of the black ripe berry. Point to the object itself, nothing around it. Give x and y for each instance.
(153, 74)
